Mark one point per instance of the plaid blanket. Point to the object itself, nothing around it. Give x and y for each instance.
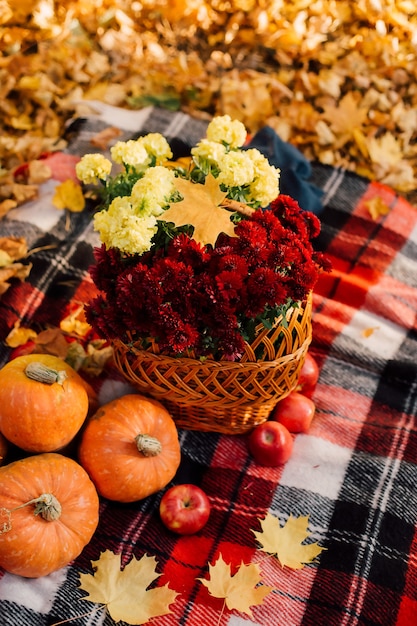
(354, 474)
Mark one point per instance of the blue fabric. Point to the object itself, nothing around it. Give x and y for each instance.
(295, 169)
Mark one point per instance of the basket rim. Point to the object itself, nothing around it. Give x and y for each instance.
(302, 312)
(186, 362)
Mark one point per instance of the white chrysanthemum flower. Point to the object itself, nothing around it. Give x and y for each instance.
(119, 227)
(236, 170)
(224, 129)
(209, 151)
(130, 152)
(151, 192)
(157, 146)
(92, 168)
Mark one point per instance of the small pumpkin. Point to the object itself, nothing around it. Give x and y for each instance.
(49, 511)
(130, 448)
(43, 402)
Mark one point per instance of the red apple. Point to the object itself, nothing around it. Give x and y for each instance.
(296, 412)
(184, 509)
(309, 375)
(270, 444)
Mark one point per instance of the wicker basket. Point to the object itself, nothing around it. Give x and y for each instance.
(223, 396)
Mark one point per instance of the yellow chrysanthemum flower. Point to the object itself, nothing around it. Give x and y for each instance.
(151, 192)
(224, 129)
(265, 186)
(119, 227)
(157, 146)
(131, 152)
(93, 167)
(236, 170)
(264, 189)
(209, 151)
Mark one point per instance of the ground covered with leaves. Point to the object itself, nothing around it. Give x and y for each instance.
(338, 79)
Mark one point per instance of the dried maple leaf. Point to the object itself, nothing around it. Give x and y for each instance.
(12, 249)
(15, 270)
(90, 361)
(15, 247)
(347, 116)
(102, 139)
(201, 209)
(377, 207)
(69, 195)
(52, 341)
(125, 592)
(75, 323)
(19, 335)
(385, 151)
(240, 591)
(97, 358)
(17, 192)
(38, 173)
(402, 178)
(286, 541)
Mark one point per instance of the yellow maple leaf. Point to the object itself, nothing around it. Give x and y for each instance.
(5, 258)
(15, 247)
(240, 591)
(385, 150)
(377, 207)
(11, 249)
(39, 172)
(75, 323)
(201, 209)
(124, 592)
(347, 116)
(69, 195)
(19, 335)
(286, 541)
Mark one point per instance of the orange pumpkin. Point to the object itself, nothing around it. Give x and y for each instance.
(49, 511)
(43, 402)
(130, 448)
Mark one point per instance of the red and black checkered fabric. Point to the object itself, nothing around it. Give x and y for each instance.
(354, 473)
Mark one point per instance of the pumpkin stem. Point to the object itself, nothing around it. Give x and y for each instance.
(148, 445)
(44, 374)
(47, 506)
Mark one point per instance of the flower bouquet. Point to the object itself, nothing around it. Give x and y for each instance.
(205, 275)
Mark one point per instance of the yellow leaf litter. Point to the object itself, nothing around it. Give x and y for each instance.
(336, 79)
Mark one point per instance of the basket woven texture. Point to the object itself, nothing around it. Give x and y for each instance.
(223, 396)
